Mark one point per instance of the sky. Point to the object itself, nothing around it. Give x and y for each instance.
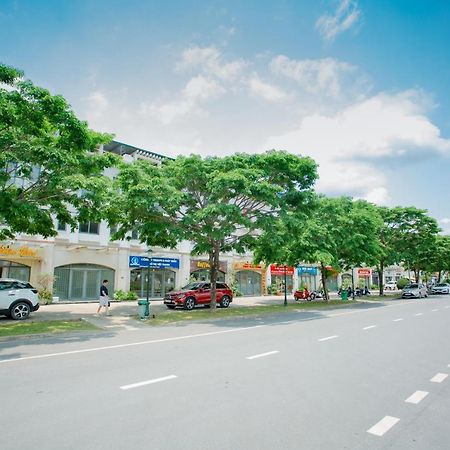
(361, 86)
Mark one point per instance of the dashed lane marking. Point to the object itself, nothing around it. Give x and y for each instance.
(144, 383)
(419, 314)
(384, 425)
(261, 355)
(397, 320)
(131, 344)
(369, 327)
(439, 378)
(328, 338)
(417, 397)
(434, 310)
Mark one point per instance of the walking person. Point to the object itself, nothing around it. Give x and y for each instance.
(104, 298)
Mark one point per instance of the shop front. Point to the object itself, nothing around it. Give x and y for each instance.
(157, 276)
(278, 275)
(81, 281)
(200, 270)
(307, 276)
(17, 261)
(364, 277)
(250, 278)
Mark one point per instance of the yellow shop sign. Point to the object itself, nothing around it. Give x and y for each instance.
(22, 252)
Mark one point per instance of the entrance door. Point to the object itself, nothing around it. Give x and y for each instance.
(249, 282)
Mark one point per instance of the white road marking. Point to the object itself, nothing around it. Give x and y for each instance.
(261, 355)
(439, 378)
(384, 425)
(369, 327)
(132, 344)
(397, 320)
(144, 383)
(417, 397)
(328, 338)
(419, 314)
(447, 307)
(434, 310)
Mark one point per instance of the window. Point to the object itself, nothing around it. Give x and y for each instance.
(134, 234)
(61, 226)
(89, 227)
(221, 286)
(5, 285)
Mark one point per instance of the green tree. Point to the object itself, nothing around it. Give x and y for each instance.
(339, 232)
(49, 165)
(439, 257)
(407, 236)
(218, 204)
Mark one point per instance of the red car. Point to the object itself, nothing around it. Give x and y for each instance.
(198, 293)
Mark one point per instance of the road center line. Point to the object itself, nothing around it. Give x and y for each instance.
(434, 310)
(417, 397)
(144, 383)
(261, 355)
(131, 344)
(419, 314)
(397, 320)
(328, 338)
(384, 425)
(439, 378)
(369, 327)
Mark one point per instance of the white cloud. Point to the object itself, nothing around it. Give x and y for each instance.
(96, 104)
(209, 60)
(347, 144)
(345, 17)
(265, 90)
(316, 76)
(201, 88)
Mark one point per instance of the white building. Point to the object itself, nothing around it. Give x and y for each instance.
(80, 259)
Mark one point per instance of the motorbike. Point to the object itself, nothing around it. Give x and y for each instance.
(308, 296)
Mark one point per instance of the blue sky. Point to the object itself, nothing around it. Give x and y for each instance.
(359, 85)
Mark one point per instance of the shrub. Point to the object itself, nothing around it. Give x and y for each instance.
(272, 289)
(122, 296)
(45, 296)
(402, 283)
(235, 289)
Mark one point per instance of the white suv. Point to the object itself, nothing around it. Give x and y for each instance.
(17, 298)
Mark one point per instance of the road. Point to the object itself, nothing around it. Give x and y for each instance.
(373, 377)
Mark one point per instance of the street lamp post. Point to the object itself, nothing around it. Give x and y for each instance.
(285, 286)
(149, 251)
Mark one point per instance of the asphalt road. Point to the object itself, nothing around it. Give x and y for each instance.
(312, 380)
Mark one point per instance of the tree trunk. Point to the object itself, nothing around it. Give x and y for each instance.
(381, 278)
(417, 274)
(213, 271)
(439, 276)
(323, 272)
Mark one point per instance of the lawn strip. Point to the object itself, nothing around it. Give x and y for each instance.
(48, 327)
(177, 315)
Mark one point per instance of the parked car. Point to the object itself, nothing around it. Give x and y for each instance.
(198, 293)
(17, 298)
(415, 290)
(440, 288)
(390, 286)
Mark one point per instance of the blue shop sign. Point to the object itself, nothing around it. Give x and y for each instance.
(306, 270)
(154, 263)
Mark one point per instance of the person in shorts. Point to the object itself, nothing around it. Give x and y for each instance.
(104, 298)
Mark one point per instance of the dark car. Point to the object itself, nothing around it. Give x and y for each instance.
(198, 293)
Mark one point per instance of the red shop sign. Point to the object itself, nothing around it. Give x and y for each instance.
(279, 270)
(364, 272)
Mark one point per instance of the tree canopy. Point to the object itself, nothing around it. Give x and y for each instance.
(49, 165)
(338, 232)
(218, 204)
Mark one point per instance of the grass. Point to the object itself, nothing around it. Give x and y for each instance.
(49, 327)
(179, 315)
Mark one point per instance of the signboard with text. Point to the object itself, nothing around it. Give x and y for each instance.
(307, 270)
(279, 270)
(364, 272)
(154, 263)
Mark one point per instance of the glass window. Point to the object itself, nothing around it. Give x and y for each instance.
(5, 285)
(61, 226)
(134, 234)
(89, 227)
